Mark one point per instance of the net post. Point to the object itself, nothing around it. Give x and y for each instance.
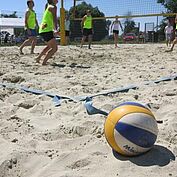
(74, 9)
(62, 24)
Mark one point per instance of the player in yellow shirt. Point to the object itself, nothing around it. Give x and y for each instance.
(30, 26)
(48, 31)
(87, 28)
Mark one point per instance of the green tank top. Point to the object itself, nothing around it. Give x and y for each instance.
(31, 21)
(47, 21)
(88, 22)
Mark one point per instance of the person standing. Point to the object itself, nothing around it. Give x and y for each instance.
(168, 34)
(115, 29)
(67, 29)
(175, 40)
(48, 31)
(30, 26)
(87, 28)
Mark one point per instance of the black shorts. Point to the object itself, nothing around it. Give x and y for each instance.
(116, 31)
(66, 33)
(47, 36)
(87, 32)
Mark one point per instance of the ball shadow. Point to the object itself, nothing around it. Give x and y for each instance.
(158, 155)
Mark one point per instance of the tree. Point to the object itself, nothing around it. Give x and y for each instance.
(129, 24)
(170, 5)
(100, 26)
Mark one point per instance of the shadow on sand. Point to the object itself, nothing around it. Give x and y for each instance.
(158, 155)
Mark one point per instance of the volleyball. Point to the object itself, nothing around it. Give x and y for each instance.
(131, 129)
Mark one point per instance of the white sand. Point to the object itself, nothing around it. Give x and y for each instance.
(38, 139)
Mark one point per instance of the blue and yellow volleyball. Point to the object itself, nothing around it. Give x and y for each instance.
(131, 129)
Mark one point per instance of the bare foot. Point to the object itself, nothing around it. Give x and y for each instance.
(169, 50)
(21, 53)
(37, 60)
(44, 63)
(34, 53)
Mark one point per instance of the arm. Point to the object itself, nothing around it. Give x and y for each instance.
(165, 30)
(92, 26)
(172, 29)
(121, 25)
(26, 22)
(82, 22)
(37, 25)
(54, 13)
(112, 25)
(176, 19)
(26, 19)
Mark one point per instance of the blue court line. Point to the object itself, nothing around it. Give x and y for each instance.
(133, 87)
(56, 98)
(88, 98)
(91, 110)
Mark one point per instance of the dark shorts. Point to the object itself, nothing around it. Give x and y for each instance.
(66, 33)
(87, 32)
(116, 31)
(33, 33)
(47, 36)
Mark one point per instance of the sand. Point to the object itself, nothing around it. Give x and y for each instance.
(38, 139)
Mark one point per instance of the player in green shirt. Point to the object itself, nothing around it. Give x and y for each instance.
(48, 31)
(30, 27)
(87, 28)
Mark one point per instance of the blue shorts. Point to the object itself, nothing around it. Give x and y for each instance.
(33, 33)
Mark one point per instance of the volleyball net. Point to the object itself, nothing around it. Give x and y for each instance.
(146, 18)
(124, 9)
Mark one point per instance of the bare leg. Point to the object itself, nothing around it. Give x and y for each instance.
(83, 40)
(25, 43)
(67, 40)
(167, 43)
(33, 44)
(90, 41)
(44, 51)
(52, 44)
(115, 39)
(173, 44)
